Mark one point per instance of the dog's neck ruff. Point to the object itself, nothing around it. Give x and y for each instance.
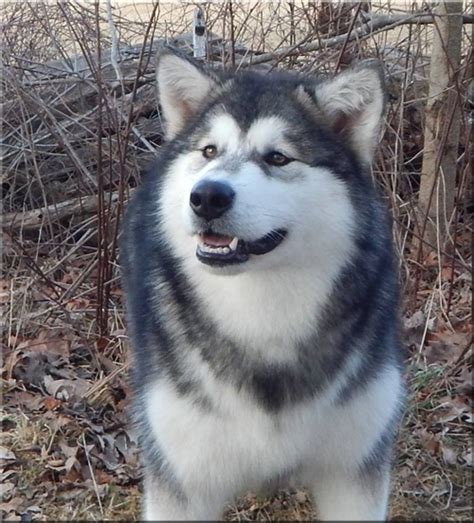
(269, 310)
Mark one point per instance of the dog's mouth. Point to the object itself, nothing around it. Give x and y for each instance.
(220, 250)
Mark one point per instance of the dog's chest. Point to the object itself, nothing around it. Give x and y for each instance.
(234, 434)
(231, 433)
(268, 314)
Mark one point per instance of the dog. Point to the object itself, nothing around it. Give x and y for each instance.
(262, 293)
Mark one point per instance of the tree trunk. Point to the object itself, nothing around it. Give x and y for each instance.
(442, 127)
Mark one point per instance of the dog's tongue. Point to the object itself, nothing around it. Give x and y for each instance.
(216, 240)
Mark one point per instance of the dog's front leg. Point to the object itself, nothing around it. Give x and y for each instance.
(346, 497)
(164, 500)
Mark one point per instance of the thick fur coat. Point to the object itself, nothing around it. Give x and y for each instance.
(262, 294)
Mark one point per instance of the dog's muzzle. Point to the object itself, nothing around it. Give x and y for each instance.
(211, 199)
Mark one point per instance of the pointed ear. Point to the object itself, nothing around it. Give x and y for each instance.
(353, 102)
(183, 86)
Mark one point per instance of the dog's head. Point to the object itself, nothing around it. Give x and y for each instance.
(263, 165)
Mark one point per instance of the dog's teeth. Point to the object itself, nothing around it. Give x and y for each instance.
(208, 248)
(233, 244)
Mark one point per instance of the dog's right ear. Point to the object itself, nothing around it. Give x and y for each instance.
(353, 102)
(183, 86)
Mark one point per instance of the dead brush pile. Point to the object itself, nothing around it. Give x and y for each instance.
(80, 123)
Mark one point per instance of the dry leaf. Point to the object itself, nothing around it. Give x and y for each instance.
(11, 506)
(465, 384)
(301, 496)
(467, 458)
(451, 409)
(66, 390)
(6, 488)
(7, 454)
(51, 403)
(449, 455)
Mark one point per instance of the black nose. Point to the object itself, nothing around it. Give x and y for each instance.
(210, 200)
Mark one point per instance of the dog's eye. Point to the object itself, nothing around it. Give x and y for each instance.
(210, 151)
(277, 159)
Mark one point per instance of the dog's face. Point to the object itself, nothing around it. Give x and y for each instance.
(261, 174)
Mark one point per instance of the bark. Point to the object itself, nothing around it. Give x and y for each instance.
(442, 127)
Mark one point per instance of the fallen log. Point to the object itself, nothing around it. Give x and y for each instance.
(35, 218)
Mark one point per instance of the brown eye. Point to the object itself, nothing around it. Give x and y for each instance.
(277, 159)
(209, 152)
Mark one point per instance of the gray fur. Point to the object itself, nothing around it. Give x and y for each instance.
(354, 341)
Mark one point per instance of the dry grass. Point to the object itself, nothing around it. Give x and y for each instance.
(75, 137)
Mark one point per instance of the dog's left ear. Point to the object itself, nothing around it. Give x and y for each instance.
(353, 102)
(183, 87)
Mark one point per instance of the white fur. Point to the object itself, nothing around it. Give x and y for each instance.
(182, 87)
(358, 95)
(217, 454)
(224, 134)
(269, 134)
(303, 267)
(268, 303)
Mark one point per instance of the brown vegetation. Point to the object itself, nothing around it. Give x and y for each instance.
(80, 123)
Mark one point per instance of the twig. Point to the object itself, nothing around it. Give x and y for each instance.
(115, 51)
(344, 46)
(94, 482)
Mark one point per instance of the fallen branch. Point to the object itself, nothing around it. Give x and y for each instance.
(35, 218)
(414, 19)
(385, 22)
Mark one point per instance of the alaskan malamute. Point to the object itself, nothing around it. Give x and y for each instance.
(262, 294)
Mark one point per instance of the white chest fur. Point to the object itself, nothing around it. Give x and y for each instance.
(236, 445)
(275, 309)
